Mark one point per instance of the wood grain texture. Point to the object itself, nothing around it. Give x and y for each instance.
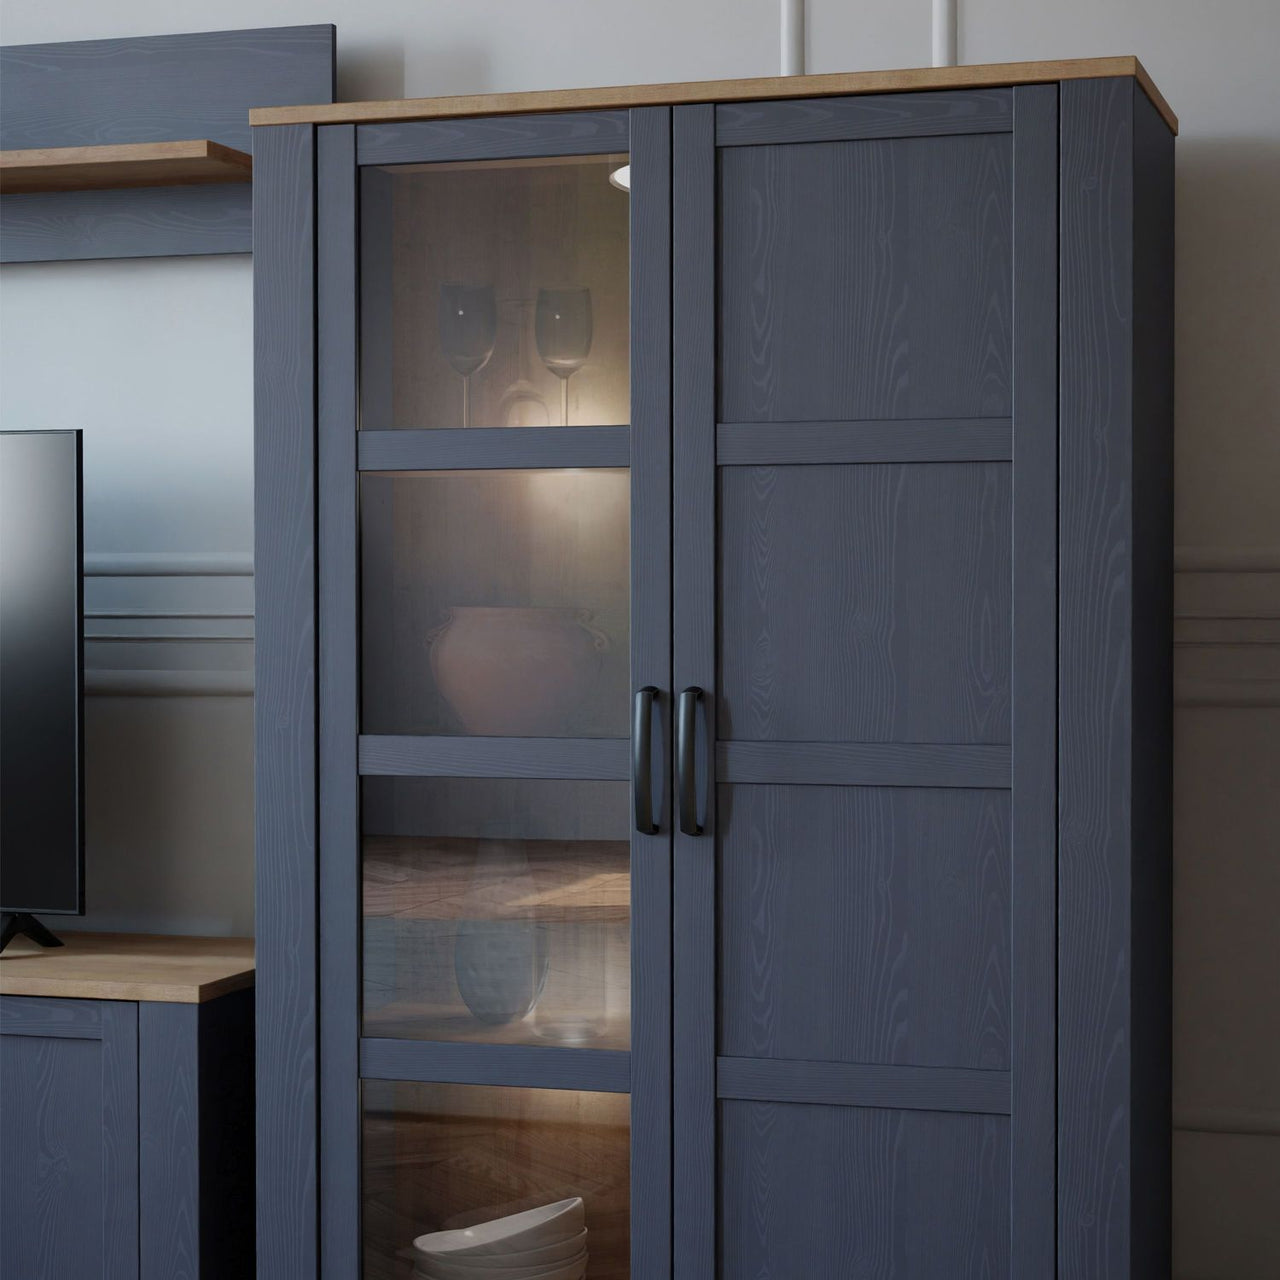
(152, 89)
(841, 83)
(1096, 997)
(650, 618)
(158, 88)
(857, 1084)
(169, 1142)
(403, 755)
(131, 223)
(865, 279)
(459, 448)
(49, 1017)
(136, 164)
(1033, 1139)
(129, 966)
(499, 138)
(518, 1065)
(339, 815)
(863, 764)
(285, 700)
(844, 119)
(899, 632)
(862, 1193)
(756, 444)
(865, 925)
(68, 1110)
(693, 499)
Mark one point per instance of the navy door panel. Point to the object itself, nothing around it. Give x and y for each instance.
(69, 1114)
(860, 1074)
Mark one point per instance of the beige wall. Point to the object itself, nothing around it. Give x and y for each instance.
(170, 777)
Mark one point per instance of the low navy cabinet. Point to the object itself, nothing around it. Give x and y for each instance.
(127, 1121)
(713, 677)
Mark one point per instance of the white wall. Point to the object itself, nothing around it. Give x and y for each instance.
(153, 360)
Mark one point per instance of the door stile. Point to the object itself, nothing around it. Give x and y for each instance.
(284, 693)
(650, 272)
(1033, 884)
(694, 666)
(339, 796)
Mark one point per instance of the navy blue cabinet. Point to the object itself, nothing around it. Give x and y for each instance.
(128, 1137)
(713, 662)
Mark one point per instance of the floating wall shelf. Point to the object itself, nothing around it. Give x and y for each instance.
(137, 164)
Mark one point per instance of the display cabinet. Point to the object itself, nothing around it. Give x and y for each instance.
(713, 658)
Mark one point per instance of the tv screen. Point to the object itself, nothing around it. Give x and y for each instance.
(41, 674)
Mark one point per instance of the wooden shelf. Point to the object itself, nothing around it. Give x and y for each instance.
(128, 966)
(140, 164)
(434, 878)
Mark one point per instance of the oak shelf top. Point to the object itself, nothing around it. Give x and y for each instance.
(135, 164)
(985, 75)
(128, 966)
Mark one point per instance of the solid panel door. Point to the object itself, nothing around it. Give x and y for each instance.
(494, 452)
(864, 502)
(69, 1114)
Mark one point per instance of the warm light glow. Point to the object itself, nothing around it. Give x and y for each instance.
(621, 178)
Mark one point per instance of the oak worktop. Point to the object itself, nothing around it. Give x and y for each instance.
(128, 966)
(983, 75)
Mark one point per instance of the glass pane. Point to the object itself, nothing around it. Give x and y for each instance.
(495, 294)
(496, 602)
(497, 910)
(440, 1157)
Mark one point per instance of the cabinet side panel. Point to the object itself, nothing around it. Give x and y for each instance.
(1095, 679)
(1153, 301)
(285, 711)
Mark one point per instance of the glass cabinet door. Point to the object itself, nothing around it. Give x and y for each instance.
(502, 630)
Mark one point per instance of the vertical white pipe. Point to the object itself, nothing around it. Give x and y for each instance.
(944, 33)
(792, 37)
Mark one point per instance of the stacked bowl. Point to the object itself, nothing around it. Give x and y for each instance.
(547, 1243)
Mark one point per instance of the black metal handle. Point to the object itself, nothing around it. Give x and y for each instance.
(641, 759)
(686, 760)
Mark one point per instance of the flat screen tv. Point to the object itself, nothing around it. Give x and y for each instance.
(41, 681)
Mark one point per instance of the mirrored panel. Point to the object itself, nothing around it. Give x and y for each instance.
(497, 910)
(441, 1157)
(495, 294)
(496, 603)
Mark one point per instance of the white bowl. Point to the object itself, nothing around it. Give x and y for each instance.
(559, 1253)
(574, 1269)
(532, 1229)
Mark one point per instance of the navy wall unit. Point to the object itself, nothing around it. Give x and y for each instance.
(148, 89)
(128, 1137)
(793, 919)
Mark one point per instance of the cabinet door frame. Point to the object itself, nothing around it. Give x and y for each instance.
(114, 1024)
(1027, 1092)
(344, 756)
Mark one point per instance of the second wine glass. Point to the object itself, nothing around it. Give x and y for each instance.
(563, 329)
(468, 320)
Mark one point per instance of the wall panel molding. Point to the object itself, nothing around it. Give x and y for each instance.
(169, 624)
(1227, 626)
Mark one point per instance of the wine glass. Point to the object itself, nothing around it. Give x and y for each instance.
(468, 328)
(562, 326)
